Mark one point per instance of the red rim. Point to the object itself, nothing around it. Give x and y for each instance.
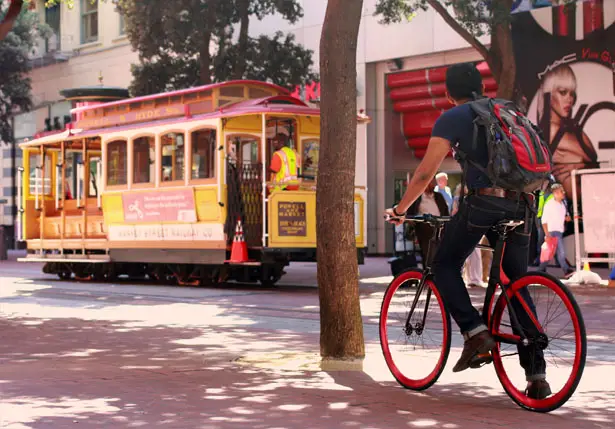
(566, 391)
(384, 311)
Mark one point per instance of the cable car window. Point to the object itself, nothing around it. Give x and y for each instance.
(117, 162)
(144, 160)
(203, 154)
(173, 149)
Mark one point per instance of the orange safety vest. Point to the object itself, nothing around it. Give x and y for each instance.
(288, 172)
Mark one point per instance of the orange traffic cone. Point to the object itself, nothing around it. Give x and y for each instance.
(239, 249)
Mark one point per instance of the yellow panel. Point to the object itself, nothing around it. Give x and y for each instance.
(207, 207)
(309, 125)
(360, 207)
(292, 219)
(244, 123)
(113, 208)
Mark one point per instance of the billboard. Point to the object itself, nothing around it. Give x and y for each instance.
(565, 59)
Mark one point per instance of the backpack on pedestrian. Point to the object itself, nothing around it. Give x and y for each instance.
(518, 157)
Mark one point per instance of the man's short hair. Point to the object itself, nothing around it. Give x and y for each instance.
(440, 175)
(463, 81)
(556, 186)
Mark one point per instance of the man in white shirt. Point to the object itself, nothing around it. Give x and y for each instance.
(554, 217)
(442, 188)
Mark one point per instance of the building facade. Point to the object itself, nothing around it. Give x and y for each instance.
(398, 68)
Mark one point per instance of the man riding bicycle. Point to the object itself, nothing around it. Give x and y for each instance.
(482, 208)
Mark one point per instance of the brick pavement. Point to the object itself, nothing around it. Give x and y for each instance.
(74, 355)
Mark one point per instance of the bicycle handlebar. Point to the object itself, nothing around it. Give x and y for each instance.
(426, 218)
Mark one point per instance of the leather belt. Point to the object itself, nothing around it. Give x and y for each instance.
(502, 193)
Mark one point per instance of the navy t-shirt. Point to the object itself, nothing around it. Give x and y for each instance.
(456, 125)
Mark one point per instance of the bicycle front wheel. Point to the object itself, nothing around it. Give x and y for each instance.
(415, 331)
(559, 351)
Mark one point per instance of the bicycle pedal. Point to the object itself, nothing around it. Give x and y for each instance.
(481, 360)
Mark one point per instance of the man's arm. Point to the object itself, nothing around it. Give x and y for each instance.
(437, 150)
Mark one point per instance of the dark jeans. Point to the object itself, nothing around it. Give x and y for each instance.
(476, 216)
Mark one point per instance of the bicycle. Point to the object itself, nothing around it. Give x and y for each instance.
(499, 315)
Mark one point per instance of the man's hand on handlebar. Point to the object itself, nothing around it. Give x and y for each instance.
(394, 217)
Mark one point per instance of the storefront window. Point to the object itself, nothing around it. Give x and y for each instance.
(116, 163)
(144, 160)
(173, 149)
(203, 154)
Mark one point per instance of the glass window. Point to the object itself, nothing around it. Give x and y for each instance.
(309, 158)
(122, 24)
(173, 149)
(203, 154)
(89, 21)
(246, 149)
(36, 180)
(93, 167)
(144, 160)
(116, 163)
(72, 161)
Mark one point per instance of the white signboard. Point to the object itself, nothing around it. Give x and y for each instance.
(598, 203)
(167, 232)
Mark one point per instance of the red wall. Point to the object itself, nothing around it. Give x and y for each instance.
(420, 97)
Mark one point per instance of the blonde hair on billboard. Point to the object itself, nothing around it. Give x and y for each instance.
(561, 76)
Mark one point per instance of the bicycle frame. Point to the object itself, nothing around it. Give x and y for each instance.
(497, 277)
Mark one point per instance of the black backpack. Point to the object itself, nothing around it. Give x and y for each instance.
(519, 158)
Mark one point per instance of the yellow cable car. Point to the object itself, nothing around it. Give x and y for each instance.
(156, 186)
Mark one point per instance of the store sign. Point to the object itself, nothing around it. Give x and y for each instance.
(156, 206)
(308, 92)
(292, 219)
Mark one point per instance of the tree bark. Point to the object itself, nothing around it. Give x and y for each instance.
(341, 327)
(9, 19)
(242, 43)
(502, 52)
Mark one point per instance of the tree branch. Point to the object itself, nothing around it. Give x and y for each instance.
(9, 19)
(465, 34)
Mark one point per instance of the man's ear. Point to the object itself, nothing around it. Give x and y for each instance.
(449, 98)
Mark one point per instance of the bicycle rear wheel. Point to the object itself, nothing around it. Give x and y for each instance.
(415, 346)
(562, 343)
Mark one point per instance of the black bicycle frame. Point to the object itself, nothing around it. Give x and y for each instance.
(497, 277)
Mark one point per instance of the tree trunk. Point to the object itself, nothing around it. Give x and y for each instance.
(242, 43)
(9, 19)
(503, 55)
(341, 327)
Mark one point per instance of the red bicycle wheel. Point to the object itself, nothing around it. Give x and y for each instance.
(415, 346)
(563, 341)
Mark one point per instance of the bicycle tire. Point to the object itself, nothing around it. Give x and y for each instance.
(406, 382)
(563, 292)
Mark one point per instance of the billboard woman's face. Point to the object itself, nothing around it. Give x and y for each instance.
(562, 100)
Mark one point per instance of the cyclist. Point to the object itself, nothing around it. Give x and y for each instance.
(482, 208)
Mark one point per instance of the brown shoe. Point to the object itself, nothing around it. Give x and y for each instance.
(480, 343)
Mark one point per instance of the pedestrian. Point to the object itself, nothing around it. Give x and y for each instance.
(554, 217)
(473, 267)
(442, 188)
(432, 203)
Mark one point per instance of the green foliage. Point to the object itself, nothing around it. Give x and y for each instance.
(179, 41)
(15, 86)
(476, 16)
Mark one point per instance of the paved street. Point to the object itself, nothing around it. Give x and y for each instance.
(123, 356)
